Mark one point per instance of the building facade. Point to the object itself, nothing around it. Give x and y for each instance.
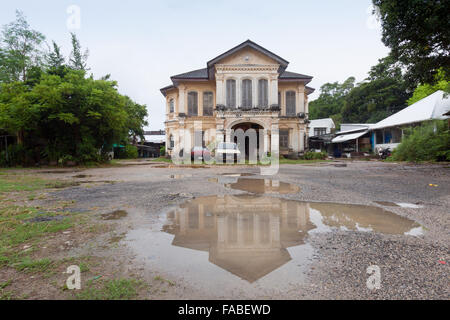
(246, 87)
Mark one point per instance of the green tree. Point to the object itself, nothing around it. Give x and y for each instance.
(71, 117)
(331, 100)
(382, 94)
(55, 59)
(78, 59)
(424, 90)
(418, 34)
(20, 49)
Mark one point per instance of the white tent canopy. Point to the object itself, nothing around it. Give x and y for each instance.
(432, 107)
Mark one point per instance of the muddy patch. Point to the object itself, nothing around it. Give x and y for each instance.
(115, 215)
(82, 176)
(263, 186)
(251, 243)
(45, 218)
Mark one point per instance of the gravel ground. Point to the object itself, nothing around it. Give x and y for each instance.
(411, 267)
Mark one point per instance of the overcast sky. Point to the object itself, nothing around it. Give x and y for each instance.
(142, 43)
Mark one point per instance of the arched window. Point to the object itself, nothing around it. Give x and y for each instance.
(290, 103)
(263, 94)
(192, 103)
(246, 93)
(208, 103)
(231, 93)
(171, 106)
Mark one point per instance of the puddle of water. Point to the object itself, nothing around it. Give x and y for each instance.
(254, 244)
(261, 186)
(245, 174)
(115, 215)
(398, 204)
(179, 176)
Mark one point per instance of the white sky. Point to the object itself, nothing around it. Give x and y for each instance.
(142, 43)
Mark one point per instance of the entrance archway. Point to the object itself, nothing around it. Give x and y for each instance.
(249, 137)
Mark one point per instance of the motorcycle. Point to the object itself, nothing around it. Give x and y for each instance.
(384, 153)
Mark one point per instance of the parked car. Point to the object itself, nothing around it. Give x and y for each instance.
(200, 153)
(227, 149)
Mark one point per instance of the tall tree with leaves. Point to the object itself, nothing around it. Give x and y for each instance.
(418, 33)
(20, 49)
(384, 93)
(331, 100)
(55, 59)
(78, 59)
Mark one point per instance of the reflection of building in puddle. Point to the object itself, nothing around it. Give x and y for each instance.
(263, 186)
(249, 235)
(245, 235)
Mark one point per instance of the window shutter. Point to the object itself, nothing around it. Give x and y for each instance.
(290, 103)
(192, 103)
(231, 93)
(247, 93)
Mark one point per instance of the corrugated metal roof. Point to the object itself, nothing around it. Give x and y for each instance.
(348, 137)
(432, 107)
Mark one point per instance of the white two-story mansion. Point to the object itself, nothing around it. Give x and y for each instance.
(245, 87)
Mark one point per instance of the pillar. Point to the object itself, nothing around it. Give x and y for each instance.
(182, 99)
(300, 106)
(220, 90)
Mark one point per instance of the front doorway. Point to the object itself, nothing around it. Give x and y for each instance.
(250, 142)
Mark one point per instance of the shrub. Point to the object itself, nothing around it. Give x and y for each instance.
(131, 152)
(311, 155)
(428, 142)
(162, 151)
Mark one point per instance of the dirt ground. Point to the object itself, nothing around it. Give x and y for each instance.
(125, 209)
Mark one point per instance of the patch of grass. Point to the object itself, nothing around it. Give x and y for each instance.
(169, 282)
(120, 289)
(6, 295)
(24, 182)
(28, 265)
(162, 159)
(5, 284)
(15, 231)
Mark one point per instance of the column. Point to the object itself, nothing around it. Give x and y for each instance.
(182, 99)
(273, 92)
(300, 99)
(254, 92)
(295, 141)
(307, 105)
(301, 140)
(266, 141)
(275, 140)
(220, 90)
